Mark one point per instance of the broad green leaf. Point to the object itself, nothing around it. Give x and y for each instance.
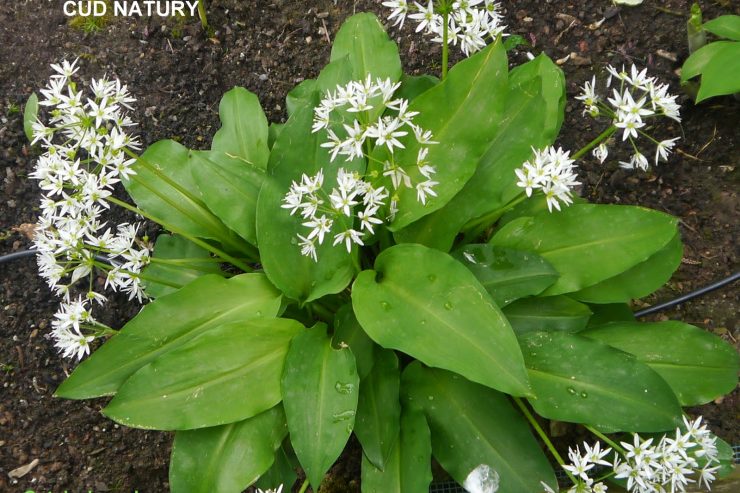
(226, 458)
(349, 332)
(640, 280)
(473, 425)
(408, 469)
(230, 175)
(412, 86)
(179, 262)
(168, 322)
(370, 51)
(507, 274)
(379, 409)
(230, 187)
(282, 471)
(462, 112)
(243, 132)
(719, 77)
(698, 61)
(30, 115)
(548, 314)
(423, 302)
(533, 113)
(320, 390)
(273, 132)
(725, 26)
(298, 151)
(171, 194)
(698, 365)
(224, 375)
(300, 96)
(726, 456)
(588, 243)
(581, 380)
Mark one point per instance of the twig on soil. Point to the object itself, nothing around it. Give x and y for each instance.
(326, 31)
(669, 11)
(714, 136)
(557, 38)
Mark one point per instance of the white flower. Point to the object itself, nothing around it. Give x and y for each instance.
(663, 149)
(551, 171)
(601, 152)
(279, 489)
(348, 237)
(400, 9)
(319, 227)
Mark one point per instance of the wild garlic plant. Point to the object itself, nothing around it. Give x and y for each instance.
(383, 264)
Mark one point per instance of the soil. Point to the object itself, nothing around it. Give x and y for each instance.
(179, 74)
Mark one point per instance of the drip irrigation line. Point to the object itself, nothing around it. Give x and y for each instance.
(32, 253)
(693, 294)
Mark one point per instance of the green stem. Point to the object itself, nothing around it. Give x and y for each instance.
(445, 44)
(202, 15)
(533, 422)
(475, 227)
(319, 309)
(601, 137)
(141, 275)
(605, 439)
(304, 486)
(187, 263)
(203, 244)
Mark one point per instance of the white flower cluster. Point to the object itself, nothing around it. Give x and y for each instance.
(551, 171)
(321, 212)
(84, 157)
(691, 456)
(279, 489)
(469, 22)
(637, 99)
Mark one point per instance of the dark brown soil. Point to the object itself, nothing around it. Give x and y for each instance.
(179, 75)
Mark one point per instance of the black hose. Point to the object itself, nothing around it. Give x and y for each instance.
(693, 294)
(641, 313)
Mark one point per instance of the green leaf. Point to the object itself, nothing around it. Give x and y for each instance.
(224, 375)
(698, 61)
(426, 304)
(273, 132)
(320, 389)
(507, 274)
(580, 380)
(719, 77)
(282, 471)
(192, 262)
(473, 425)
(412, 86)
(227, 458)
(30, 115)
(725, 26)
(379, 409)
(698, 365)
(230, 187)
(548, 314)
(607, 313)
(298, 151)
(408, 469)
(462, 112)
(300, 96)
(179, 206)
(638, 281)
(588, 243)
(167, 323)
(243, 132)
(349, 332)
(370, 51)
(534, 108)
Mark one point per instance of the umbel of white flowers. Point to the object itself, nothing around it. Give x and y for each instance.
(469, 22)
(333, 214)
(84, 156)
(554, 173)
(690, 456)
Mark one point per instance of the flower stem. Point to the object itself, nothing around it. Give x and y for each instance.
(145, 277)
(202, 15)
(304, 486)
(601, 137)
(605, 439)
(533, 422)
(475, 227)
(445, 44)
(203, 244)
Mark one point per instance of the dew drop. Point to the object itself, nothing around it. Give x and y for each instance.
(584, 394)
(386, 306)
(344, 388)
(422, 322)
(448, 306)
(258, 313)
(432, 277)
(571, 391)
(430, 397)
(343, 416)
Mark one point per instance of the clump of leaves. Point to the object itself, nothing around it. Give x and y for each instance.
(91, 24)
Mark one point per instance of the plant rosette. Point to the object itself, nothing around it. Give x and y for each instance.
(404, 259)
